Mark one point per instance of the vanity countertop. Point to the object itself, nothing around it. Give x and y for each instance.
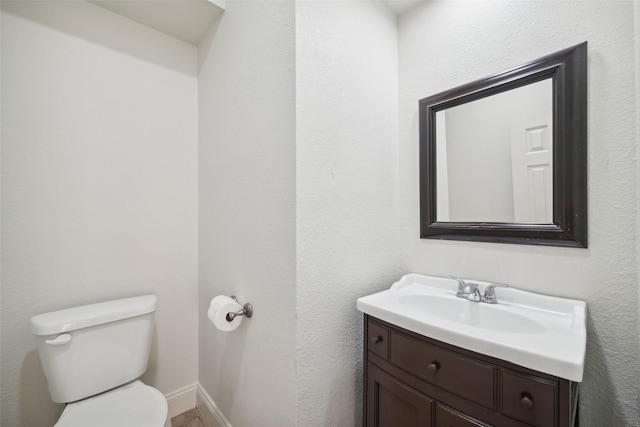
(539, 332)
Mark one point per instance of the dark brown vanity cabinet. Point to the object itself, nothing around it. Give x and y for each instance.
(411, 380)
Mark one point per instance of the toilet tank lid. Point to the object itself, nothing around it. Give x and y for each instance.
(70, 319)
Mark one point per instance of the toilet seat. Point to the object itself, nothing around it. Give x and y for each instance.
(132, 405)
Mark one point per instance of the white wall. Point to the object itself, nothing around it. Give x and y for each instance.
(99, 185)
(444, 44)
(636, 5)
(346, 211)
(247, 210)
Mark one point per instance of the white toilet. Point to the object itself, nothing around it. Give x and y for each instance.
(92, 356)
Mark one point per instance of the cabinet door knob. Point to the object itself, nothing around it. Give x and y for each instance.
(433, 366)
(376, 340)
(526, 401)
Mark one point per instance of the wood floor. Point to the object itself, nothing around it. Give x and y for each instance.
(190, 418)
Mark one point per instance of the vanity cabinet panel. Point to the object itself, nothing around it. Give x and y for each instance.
(390, 403)
(378, 339)
(461, 375)
(412, 380)
(447, 417)
(528, 398)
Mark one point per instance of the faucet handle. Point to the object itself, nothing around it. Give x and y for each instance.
(461, 286)
(490, 293)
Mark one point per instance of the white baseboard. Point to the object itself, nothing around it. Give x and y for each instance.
(182, 400)
(210, 414)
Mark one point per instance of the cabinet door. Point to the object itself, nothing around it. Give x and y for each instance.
(447, 417)
(391, 403)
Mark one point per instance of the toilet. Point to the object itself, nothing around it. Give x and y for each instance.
(92, 356)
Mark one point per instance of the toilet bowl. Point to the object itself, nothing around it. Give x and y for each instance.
(92, 357)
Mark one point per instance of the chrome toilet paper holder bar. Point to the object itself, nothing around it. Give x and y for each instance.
(246, 311)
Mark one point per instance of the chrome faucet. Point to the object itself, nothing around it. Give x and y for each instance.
(490, 293)
(471, 292)
(467, 290)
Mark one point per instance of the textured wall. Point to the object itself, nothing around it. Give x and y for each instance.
(247, 210)
(444, 44)
(99, 185)
(346, 194)
(637, 44)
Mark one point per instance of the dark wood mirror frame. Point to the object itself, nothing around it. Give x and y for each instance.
(568, 71)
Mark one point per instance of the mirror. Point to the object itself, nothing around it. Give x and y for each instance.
(503, 159)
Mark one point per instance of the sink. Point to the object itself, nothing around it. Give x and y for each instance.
(473, 314)
(540, 332)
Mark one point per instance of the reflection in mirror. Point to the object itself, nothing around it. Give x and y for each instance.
(494, 157)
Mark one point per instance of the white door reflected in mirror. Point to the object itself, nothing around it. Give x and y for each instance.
(495, 158)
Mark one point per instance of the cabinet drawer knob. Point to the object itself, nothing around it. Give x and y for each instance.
(526, 401)
(376, 340)
(433, 366)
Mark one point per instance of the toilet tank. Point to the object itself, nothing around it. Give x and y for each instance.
(93, 348)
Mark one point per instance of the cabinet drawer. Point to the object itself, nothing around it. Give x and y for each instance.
(378, 339)
(467, 377)
(447, 417)
(528, 398)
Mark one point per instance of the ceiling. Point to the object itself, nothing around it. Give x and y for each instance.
(401, 6)
(187, 20)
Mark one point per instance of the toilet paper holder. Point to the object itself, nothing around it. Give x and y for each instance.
(246, 311)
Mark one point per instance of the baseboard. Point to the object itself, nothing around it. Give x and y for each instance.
(182, 400)
(210, 414)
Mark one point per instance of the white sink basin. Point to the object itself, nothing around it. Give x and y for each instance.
(539, 332)
(484, 316)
